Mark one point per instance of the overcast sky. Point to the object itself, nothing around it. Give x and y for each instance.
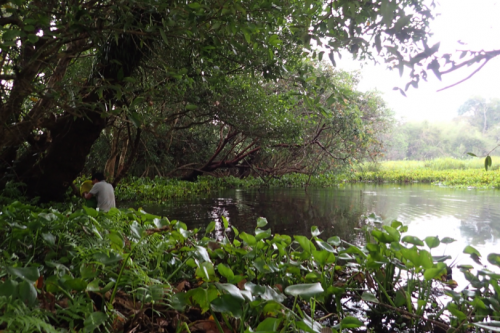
(474, 22)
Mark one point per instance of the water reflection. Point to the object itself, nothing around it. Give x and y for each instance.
(471, 217)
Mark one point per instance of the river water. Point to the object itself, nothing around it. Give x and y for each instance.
(472, 217)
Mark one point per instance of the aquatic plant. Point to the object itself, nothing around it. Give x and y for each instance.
(127, 270)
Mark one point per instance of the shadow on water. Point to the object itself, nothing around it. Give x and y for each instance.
(471, 217)
(288, 211)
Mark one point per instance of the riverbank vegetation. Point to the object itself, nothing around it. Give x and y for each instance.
(127, 270)
(442, 171)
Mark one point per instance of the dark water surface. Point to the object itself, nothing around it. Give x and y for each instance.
(472, 217)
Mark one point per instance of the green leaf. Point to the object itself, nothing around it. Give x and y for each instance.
(335, 241)
(206, 271)
(116, 240)
(393, 232)
(432, 273)
(305, 243)
(95, 320)
(324, 245)
(351, 322)
(210, 227)
(269, 325)
(228, 304)
(453, 308)
(470, 250)
(11, 34)
(369, 297)
(191, 107)
(432, 242)
(76, 284)
(202, 254)
(487, 162)
(230, 289)
(315, 232)
(492, 325)
(107, 258)
(9, 288)
(305, 290)
(448, 240)
(225, 271)
(494, 259)
(471, 154)
(29, 274)
(49, 238)
(261, 222)
(412, 240)
(249, 239)
(262, 234)
(27, 293)
(225, 222)
(203, 297)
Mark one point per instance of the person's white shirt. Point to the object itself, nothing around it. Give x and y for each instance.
(105, 195)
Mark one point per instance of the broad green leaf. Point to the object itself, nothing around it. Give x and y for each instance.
(202, 254)
(262, 234)
(107, 258)
(27, 292)
(225, 222)
(116, 240)
(230, 289)
(210, 227)
(448, 240)
(206, 272)
(315, 232)
(305, 243)
(261, 222)
(269, 325)
(433, 273)
(393, 232)
(49, 238)
(305, 290)
(494, 259)
(369, 297)
(412, 240)
(351, 322)
(9, 288)
(324, 245)
(93, 321)
(225, 271)
(432, 242)
(470, 250)
(203, 297)
(249, 239)
(323, 257)
(29, 274)
(76, 284)
(228, 304)
(335, 241)
(453, 308)
(492, 325)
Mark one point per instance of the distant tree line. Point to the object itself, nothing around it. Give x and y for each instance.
(476, 129)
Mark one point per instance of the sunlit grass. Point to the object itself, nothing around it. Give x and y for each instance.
(442, 171)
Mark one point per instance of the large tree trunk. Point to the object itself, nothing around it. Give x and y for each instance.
(50, 176)
(51, 164)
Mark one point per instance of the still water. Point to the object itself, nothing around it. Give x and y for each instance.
(472, 217)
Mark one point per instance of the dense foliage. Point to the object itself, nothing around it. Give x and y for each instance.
(128, 270)
(475, 130)
(70, 70)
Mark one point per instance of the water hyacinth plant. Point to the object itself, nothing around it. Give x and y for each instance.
(128, 270)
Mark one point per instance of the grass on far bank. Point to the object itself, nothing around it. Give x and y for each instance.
(441, 171)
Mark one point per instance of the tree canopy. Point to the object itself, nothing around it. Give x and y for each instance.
(72, 69)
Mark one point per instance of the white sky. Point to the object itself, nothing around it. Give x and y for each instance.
(474, 22)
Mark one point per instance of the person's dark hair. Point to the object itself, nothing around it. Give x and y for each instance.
(98, 175)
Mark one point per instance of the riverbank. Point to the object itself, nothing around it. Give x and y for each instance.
(443, 172)
(127, 270)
